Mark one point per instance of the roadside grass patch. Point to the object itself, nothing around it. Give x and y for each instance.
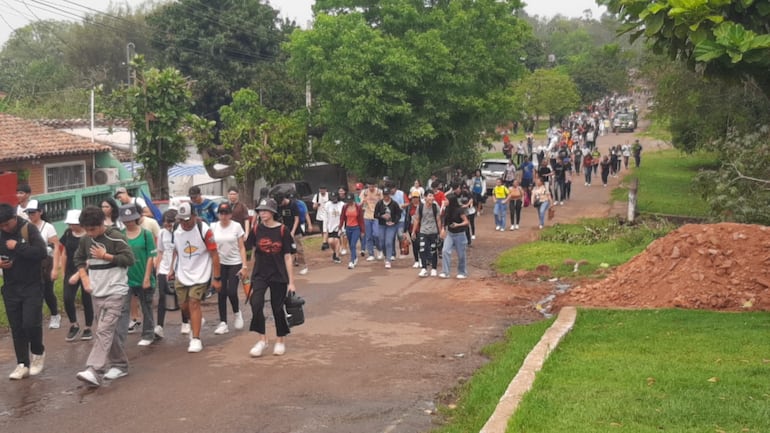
(683, 371)
(478, 398)
(665, 183)
(596, 241)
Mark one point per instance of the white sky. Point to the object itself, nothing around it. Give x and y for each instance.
(17, 13)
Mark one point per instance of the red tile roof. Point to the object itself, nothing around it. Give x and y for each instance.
(23, 139)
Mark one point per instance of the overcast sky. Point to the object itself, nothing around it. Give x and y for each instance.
(17, 13)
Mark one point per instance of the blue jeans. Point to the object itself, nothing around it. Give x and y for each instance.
(372, 230)
(456, 241)
(542, 211)
(387, 240)
(500, 212)
(353, 233)
(587, 175)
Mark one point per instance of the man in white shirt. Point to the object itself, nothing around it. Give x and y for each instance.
(197, 264)
(23, 193)
(319, 200)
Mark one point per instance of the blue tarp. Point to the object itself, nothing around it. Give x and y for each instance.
(175, 171)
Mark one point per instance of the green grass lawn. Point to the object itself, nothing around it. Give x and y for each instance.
(595, 240)
(677, 371)
(479, 397)
(665, 183)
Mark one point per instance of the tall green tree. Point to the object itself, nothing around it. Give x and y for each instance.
(255, 142)
(548, 92)
(403, 86)
(599, 71)
(226, 45)
(158, 106)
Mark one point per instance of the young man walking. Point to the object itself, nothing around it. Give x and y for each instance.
(197, 266)
(102, 260)
(21, 253)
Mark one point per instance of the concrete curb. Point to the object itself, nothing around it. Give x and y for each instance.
(522, 382)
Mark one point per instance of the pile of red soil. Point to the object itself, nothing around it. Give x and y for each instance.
(714, 266)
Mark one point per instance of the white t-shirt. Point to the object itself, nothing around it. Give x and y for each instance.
(321, 199)
(166, 251)
(192, 254)
(333, 213)
(47, 231)
(227, 242)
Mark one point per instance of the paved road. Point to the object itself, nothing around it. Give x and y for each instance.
(378, 351)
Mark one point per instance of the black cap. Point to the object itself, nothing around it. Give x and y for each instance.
(24, 187)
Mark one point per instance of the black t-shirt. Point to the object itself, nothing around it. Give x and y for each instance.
(70, 243)
(544, 172)
(287, 213)
(271, 244)
(559, 172)
(454, 215)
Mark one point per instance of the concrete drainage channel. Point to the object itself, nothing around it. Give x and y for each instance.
(524, 379)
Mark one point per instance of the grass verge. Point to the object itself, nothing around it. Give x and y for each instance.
(654, 370)
(596, 241)
(478, 398)
(665, 183)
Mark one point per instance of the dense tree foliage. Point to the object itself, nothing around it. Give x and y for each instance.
(255, 142)
(547, 92)
(403, 86)
(723, 38)
(224, 46)
(158, 105)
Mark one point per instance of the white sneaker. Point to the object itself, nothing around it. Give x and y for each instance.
(513, 227)
(379, 256)
(461, 276)
(239, 320)
(473, 237)
(37, 364)
(195, 345)
(144, 342)
(351, 265)
(387, 265)
(343, 252)
(423, 273)
(561, 203)
(185, 328)
(392, 258)
(20, 372)
(222, 329)
(258, 348)
(497, 228)
(517, 226)
(303, 271)
(433, 273)
(55, 322)
(541, 227)
(370, 259)
(158, 331)
(416, 265)
(115, 373)
(443, 275)
(279, 349)
(88, 377)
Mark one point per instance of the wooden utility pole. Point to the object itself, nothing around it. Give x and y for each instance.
(632, 194)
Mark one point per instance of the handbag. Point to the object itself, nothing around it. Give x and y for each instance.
(526, 200)
(293, 308)
(537, 203)
(404, 244)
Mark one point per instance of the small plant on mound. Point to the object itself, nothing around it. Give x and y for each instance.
(592, 242)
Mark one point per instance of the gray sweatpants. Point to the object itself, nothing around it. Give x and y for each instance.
(111, 314)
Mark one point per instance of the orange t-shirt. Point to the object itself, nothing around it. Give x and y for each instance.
(351, 216)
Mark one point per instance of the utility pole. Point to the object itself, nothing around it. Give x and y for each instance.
(130, 46)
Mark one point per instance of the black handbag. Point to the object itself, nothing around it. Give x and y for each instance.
(293, 307)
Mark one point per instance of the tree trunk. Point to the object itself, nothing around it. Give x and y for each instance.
(632, 194)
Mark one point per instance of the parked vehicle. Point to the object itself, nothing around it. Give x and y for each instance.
(492, 169)
(623, 122)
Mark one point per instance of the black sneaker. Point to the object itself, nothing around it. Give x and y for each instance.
(73, 333)
(324, 246)
(336, 259)
(87, 334)
(133, 326)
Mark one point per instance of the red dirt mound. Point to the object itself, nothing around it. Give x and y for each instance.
(722, 266)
